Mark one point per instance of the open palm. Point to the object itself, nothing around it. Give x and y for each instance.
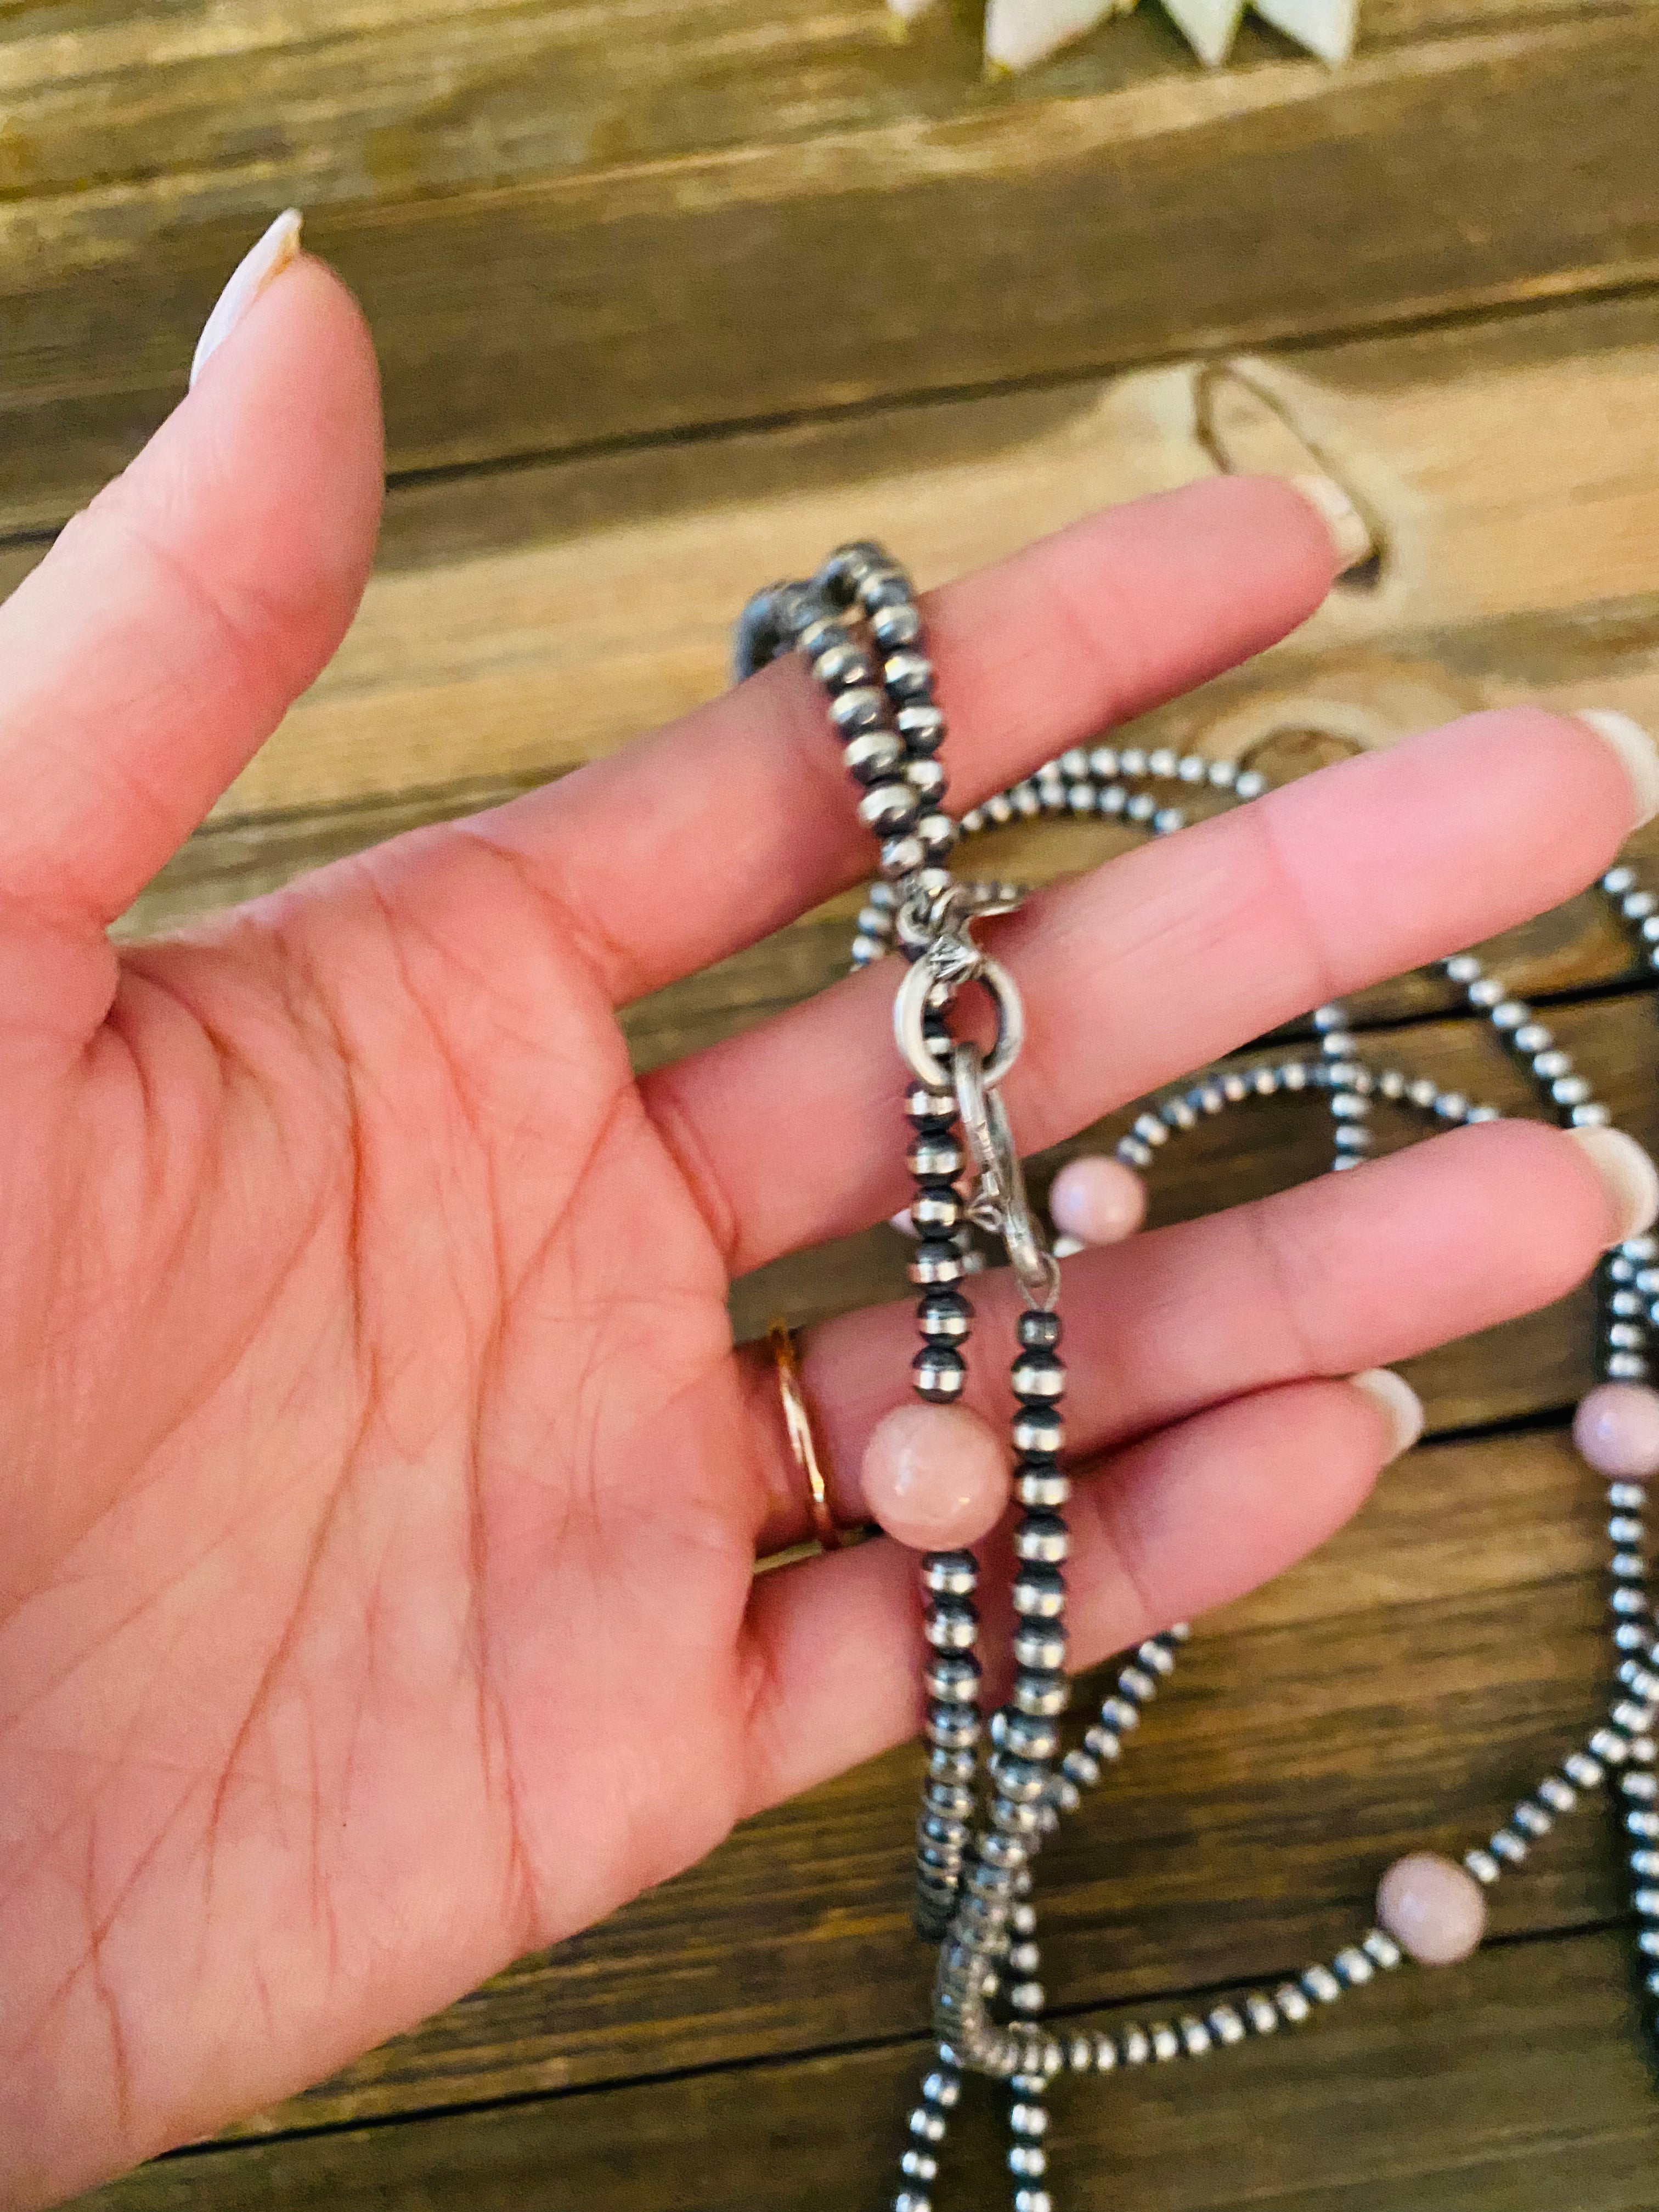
(381, 1488)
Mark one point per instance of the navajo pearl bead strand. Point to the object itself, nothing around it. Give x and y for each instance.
(975, 1889)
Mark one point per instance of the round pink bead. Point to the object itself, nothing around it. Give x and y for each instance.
(1617, 1430)
(1432, 1908)
(1097, 1200)
(935, 1477)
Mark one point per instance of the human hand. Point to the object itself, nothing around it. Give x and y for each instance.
(382, 1488)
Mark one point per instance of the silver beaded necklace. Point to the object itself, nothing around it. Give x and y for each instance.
(982, 1825)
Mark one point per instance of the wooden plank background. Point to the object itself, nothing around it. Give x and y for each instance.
(669, 294)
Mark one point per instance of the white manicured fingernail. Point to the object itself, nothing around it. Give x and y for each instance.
(257, 266)
(1400, 1405)
(1628, 1176)
(1636, 749)
(1350, 533)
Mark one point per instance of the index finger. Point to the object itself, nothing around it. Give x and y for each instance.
(733, 821)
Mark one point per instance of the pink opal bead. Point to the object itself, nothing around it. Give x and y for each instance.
(1432, 1908)
(1097, 1200)
(935, 1477)
(1616, 1430)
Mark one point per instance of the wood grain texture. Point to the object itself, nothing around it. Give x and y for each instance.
(1007, 236)
(1510, 2084)
(520, 622)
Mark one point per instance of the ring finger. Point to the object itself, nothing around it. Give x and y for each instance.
(1341, 1273)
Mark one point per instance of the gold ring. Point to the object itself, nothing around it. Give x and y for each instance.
(799, 1424)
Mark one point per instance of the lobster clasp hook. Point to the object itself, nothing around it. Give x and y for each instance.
(998, 1203)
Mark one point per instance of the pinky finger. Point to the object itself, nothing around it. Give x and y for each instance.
(1176, 1524)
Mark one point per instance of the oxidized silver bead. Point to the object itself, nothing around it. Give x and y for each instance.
(874, 755)
(951, 1624)
(1040, 1644)
(937, 1371)
(950, 1573)
(1039, 1592)
(945, 1317)
(1038, 1430)
(1041, 1693)
(1042, 1537)
(952, 1679)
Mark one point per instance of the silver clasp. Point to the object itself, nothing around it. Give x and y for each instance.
(998, 1203)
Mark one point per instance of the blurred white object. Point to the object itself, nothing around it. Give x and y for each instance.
(1019, 33)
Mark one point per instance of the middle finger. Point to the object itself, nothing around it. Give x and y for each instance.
(1162, 961)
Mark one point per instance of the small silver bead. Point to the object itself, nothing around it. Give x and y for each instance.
(1581, 1768)
(1482, 1865)
(1025, 2119)
(1166, 2044)
(1262, 2013)
(1353, 1967)
(1135, 2046)
(1225, 2026)
(1320, 1982)
(1292, 2005)
(1382, 1949)
(1033, 2200)
(900, 857)
(1027, 2159)
(919, 2166)
(1506, 1844)
(1194, 2036)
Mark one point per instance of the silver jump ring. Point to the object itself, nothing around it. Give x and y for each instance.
(910, 1011)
